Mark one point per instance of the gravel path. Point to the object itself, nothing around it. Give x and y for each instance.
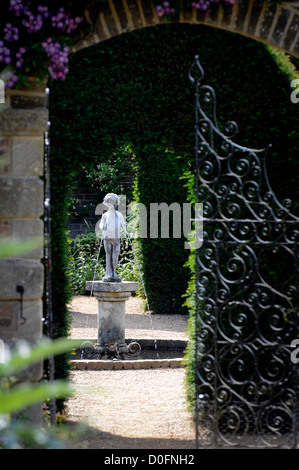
(130, 409)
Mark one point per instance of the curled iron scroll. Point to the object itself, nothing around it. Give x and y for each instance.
(246, 323)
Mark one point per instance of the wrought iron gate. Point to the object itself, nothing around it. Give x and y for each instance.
(246, 292)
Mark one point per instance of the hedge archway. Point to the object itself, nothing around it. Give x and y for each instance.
(134, 90)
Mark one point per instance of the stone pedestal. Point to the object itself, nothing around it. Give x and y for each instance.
(111, 297)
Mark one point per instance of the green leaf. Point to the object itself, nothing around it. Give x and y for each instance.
(10, 248)
(21, 396)
(26, 356)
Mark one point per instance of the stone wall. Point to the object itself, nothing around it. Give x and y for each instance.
(23, 121)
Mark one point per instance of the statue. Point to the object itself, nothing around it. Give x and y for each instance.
(111, 223)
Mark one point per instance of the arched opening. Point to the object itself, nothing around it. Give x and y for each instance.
(275, 24)
(134, 90)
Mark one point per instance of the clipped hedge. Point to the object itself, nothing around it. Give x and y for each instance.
(162, 259)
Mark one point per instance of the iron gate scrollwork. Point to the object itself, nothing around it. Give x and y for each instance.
(246, 292)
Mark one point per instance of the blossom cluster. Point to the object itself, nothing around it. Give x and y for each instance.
(11, 33)
(64, 22)
(26, 19)
(58, 59)
(202, 5)
(205, 4)
(164, 9)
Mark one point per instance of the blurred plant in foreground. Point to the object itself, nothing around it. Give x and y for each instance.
(16, 395)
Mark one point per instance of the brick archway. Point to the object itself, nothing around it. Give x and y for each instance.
(277, 25)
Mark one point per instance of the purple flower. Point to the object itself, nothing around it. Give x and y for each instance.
(201, 5)
(64, 22)
(11, 33)
(164, 9)
(44, 11)
(58, 20)
(58, 59)
(4, 54)
(33, 23)
(72, 23)
(12, 79)
(19, 57)
(16, 6)
(159, 11)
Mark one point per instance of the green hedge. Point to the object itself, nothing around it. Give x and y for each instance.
(87, 262)
(133, 90)
(162, 259)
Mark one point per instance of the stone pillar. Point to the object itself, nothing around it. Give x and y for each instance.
(111, 297)
(23, 121)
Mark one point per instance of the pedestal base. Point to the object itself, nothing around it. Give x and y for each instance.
(111, 297)
(110, 351)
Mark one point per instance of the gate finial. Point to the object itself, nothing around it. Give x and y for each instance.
(198, 68)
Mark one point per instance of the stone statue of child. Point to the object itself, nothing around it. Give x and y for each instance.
(111, 223)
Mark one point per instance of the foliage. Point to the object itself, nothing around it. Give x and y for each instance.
(190, 351)
(61, 292)
(284, 63)
(105, 176)
(77, 209)
(10, 247)
(128, 269)
(15, 396)
(84, 264)
(36, 38)
(99, 179)
(87, 262)
(188, 179)
(161, 259)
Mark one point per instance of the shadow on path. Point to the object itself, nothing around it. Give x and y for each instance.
(92, 438)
